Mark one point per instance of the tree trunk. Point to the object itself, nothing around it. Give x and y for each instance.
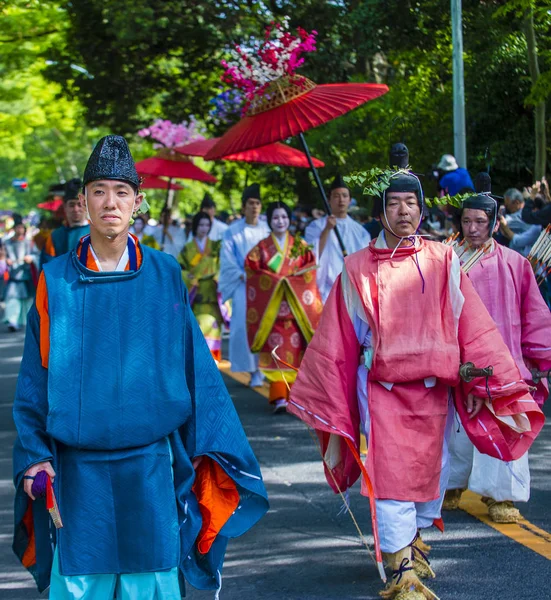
(539, 109)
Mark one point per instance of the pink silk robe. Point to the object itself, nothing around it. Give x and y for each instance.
(415, 336)
(505, 282)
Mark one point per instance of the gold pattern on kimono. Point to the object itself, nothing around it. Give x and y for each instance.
(252, 315)
(318, 306)
(254, 254)
(289, 357)
(308, 277)
(288, 324)
(265, 283)
(264, 359)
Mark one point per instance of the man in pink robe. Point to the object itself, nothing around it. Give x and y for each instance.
(398, 323)
(506, 284)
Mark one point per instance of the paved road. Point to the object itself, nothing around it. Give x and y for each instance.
(302, 550)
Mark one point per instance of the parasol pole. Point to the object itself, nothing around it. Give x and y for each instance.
(321, 189)
(164, 209)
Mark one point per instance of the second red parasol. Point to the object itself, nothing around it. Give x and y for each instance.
(156, 183)
(271, 154)
(173, 165)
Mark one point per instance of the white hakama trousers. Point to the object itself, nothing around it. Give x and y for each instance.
(485, 475)
(399, 520)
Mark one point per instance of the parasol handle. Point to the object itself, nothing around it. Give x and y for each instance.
(468, 372)
(321, 189)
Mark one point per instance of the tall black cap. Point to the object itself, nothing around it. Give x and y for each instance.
(483, 199)
(400, 182)
(338, 183)
(483, 183)
(111, 159)
(399, 156)
(72, 189)
(208, 201)
(253, 191)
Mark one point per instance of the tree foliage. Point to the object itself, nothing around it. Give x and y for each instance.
(119, 64)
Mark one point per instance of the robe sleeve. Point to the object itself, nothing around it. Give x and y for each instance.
(214, 432)
(312, 233)
(232, 274)
(324, 394)
(30, 406)
(536, 217)
(510, 420)
(536, 322)
(184, 262)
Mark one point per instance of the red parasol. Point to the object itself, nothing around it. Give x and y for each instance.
(173, 165)
(52, 205)
(271, 154)
(290, 106)
(156, 183)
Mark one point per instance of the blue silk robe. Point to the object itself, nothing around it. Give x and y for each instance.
(129, 398)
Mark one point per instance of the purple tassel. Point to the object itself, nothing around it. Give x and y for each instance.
(39, 484)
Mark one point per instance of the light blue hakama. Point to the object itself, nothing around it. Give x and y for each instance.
(159, 585)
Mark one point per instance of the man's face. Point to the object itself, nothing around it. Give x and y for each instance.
(75, 212)
(403, 213)
(339, 201)
(475, 226)
(211, 211)
(19, 231)
(280, 221)
(111, 205)
(138, 225)
(252, 208)
(512, 206)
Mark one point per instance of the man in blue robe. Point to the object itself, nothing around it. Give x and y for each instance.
(121, 404)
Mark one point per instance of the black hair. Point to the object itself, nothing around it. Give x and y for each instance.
(272, 207)
(197, 219)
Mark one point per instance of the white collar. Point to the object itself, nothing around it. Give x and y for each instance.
(123, 261)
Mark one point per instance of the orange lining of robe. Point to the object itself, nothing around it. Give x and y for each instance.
(218, 499)
(42, 300)
(29, 556)
(278, 389)
(49, 247)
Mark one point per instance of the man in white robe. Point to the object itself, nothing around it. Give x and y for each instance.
(241, 237)
(170, 236)
(320, 233)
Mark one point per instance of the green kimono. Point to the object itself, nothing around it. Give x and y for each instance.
(200, 269)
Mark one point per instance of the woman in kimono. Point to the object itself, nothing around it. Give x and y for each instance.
(138, 229)
(200, 264)
(283, 302)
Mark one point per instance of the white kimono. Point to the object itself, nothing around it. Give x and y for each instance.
(174, 239)
(217, 230)
(355, 238)
(239, 239)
